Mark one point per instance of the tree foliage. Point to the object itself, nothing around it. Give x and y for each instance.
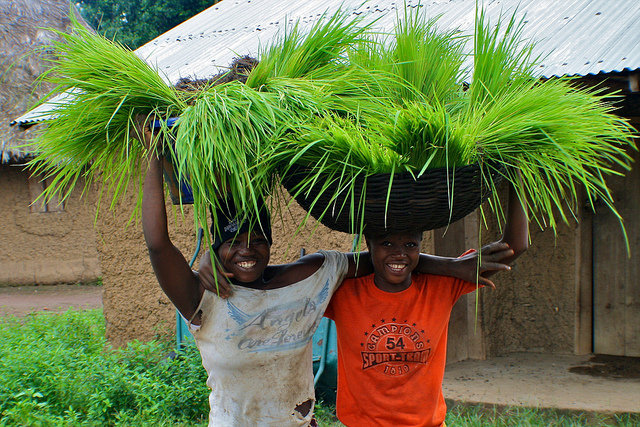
(135, 22)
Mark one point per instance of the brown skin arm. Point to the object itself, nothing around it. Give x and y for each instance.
(172, 270)
(361, 265)
(277, 276)
(462, 267)
(491, 259)
(516, 229)
(495, 256)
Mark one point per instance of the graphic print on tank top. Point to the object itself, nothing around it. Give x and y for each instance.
(394, 348)
(280, 327)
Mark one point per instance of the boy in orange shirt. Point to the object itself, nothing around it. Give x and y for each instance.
(392, 331)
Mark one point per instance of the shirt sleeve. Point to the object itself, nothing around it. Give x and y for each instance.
(341, 263)
(337, 261)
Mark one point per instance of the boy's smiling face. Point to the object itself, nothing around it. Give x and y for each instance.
(394, 257)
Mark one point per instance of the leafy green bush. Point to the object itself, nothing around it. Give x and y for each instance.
(59, 370)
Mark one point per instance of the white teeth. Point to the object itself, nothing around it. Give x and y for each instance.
(246, 264)
(396, 266)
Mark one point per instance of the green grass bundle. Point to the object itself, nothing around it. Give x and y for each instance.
(224, 132)
(317, 54)
(421, 62)
(347, 103)
(556, 135)
(90, 136)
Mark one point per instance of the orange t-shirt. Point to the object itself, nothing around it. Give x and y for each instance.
(392, 350)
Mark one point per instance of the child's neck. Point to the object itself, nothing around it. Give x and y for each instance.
(391, 287)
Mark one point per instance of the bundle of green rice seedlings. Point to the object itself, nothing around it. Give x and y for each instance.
(223, 141)
(112, 85)
(317, 54)
(556, 135)
(414, 138)
(332, 142)
(426, 136)
(308, 70)
(400, 127)
(228, 141)
(410, 81)
(422, 62)
(90, 136)
(312, 74)
(344, 102)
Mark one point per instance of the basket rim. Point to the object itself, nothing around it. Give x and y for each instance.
(445, 207)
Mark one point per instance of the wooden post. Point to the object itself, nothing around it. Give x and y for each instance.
(584, 280)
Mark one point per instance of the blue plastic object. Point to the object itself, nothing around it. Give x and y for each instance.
(183, 336)
(179, 189)
(325, 361)
(170, 122)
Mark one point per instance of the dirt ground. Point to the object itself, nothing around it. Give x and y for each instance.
(590, 383)
(21, 300)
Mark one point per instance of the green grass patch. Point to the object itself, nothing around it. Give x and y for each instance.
(58, 370)
(463, 415)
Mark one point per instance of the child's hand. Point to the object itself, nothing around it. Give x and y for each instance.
(145, 134)
(490, 259)
(207, 277)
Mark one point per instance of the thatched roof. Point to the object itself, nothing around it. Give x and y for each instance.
(24, 32)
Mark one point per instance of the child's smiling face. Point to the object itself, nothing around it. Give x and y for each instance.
(246, 256)
(394, 257)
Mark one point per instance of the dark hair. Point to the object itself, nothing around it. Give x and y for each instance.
(238, 70)
(381, 234)
(228, 223)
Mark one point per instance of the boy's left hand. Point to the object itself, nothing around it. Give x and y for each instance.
(490, 259)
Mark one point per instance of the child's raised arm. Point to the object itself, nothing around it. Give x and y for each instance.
(493, 257)
(172, 270)
(516, 229)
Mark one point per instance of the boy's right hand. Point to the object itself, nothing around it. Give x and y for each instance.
(208, 276)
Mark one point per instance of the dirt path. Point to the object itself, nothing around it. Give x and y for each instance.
(605, 384)
(22, 300)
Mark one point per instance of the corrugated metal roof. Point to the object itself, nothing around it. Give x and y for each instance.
(575, 37)
(44, 111)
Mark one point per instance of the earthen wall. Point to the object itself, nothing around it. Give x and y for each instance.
(44, 247)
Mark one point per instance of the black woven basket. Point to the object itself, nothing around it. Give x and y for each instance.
(439, 197)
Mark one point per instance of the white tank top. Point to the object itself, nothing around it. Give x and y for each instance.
(257, 351)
